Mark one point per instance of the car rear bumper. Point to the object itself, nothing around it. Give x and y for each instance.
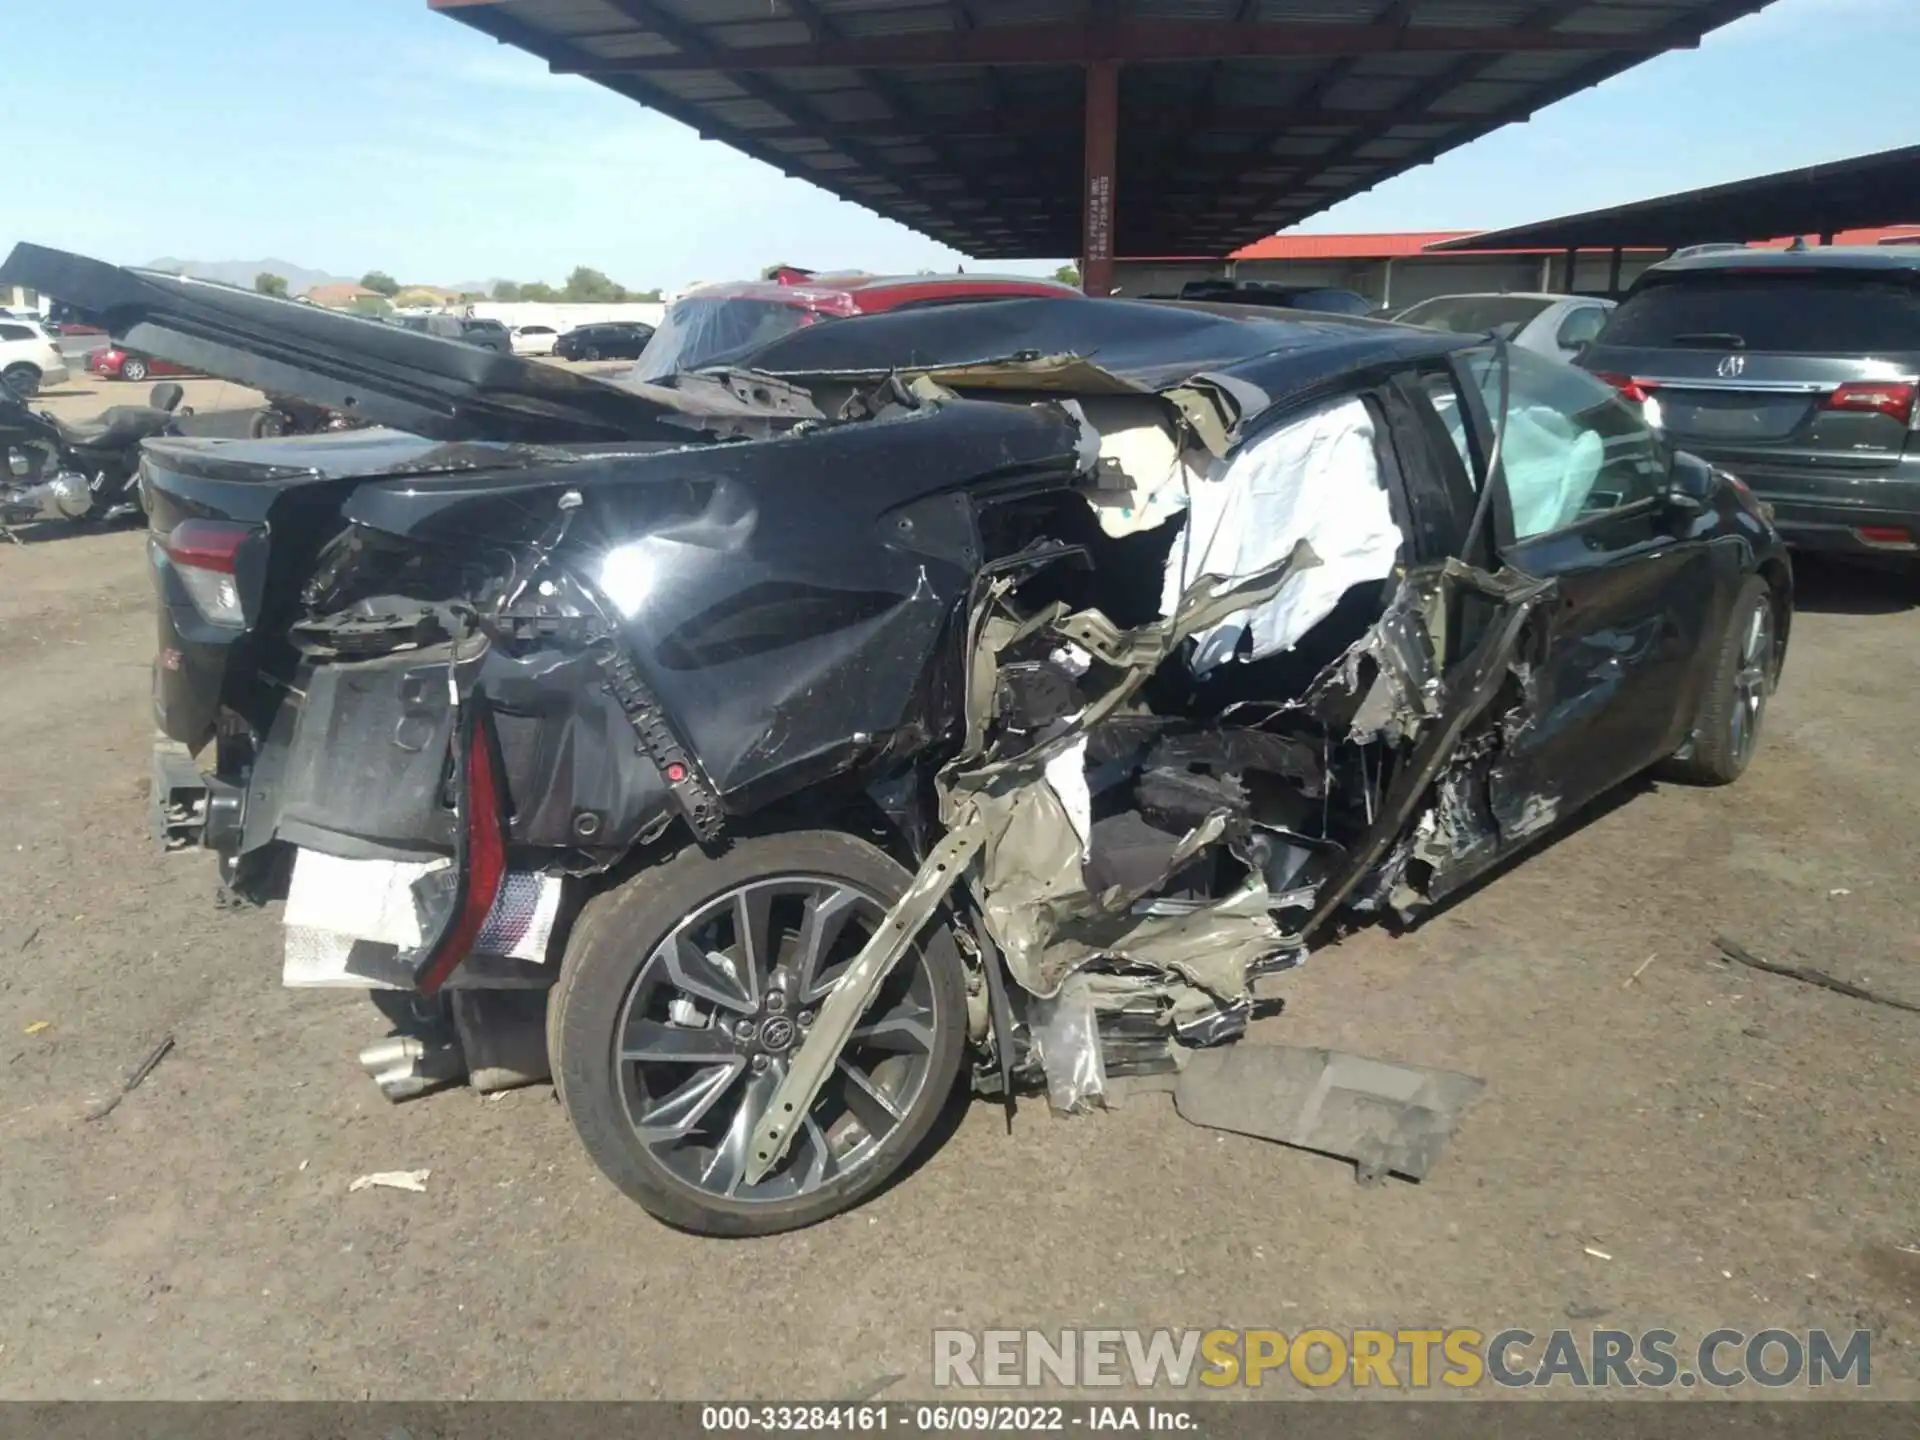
(1862, 514)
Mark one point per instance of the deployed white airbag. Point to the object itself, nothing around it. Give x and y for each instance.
(1317, 479)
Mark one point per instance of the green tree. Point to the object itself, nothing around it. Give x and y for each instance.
(538, 290)
(1068, 275)
(467, 297)
(505, 290)
(591, 286)
(371, 305)
(380, 283)
(650, 296)
(267, 283)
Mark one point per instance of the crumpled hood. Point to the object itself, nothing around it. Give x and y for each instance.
(423, 384)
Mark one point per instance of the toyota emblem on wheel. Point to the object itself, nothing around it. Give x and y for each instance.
(776, 1033)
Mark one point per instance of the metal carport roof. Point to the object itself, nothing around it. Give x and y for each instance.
(1863, 192)
(968, 120)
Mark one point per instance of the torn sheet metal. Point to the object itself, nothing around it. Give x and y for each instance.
(1315, 478)
(1386, 1117)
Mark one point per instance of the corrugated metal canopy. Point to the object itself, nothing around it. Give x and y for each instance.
(963, 119)
(1863, 192)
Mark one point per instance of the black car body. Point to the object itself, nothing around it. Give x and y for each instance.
(613, 340)
(1019, 679)
(1799, 371)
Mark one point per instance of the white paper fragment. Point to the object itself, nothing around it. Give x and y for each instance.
(1067, 774)
(334, 904)
(363, 899)
(1316, 479)
(415, 1180)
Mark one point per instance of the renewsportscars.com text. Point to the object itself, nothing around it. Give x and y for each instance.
(1457, 1358)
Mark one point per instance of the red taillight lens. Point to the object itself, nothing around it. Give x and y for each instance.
(1895, 536)
(1637, 391)
(205, 554)
(207, 544)
(482, 859)
(1879, 397)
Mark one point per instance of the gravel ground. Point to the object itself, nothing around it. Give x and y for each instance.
(1740, 1146)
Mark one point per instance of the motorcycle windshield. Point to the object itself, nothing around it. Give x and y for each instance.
(358, 365)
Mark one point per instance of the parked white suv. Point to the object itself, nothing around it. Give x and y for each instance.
(29, 359)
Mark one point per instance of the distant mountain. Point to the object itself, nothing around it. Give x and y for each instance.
(241, 272)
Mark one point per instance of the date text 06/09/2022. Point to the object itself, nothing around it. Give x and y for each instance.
(860, 1419)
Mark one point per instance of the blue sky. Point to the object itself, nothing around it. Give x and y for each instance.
(373, 133)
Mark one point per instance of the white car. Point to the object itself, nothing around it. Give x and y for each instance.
(534, 340)
(29, 360)
(1557, 326)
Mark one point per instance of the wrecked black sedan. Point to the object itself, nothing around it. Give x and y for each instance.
(1006, 689)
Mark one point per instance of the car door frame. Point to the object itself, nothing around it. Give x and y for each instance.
(1607, 566)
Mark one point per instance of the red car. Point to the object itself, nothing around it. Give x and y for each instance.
(113, 363)
(714, 321)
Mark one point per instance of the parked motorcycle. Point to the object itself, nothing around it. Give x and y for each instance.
(287, 415)
(57, 470)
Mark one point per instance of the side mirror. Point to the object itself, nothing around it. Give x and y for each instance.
(1581, 347)
(1689, 484)
(165, 396)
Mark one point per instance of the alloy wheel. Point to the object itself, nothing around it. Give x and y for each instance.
(1752, 683)
(718, 1010)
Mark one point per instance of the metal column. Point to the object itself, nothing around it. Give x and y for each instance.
(1097, 202)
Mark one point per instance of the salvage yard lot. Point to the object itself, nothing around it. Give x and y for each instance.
(1740, 1145)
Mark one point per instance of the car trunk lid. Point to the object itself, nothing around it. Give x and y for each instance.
(235, 526)
(381, 373)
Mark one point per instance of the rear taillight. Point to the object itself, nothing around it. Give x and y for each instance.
(1631, 388)
(1878, 397)
(480, 858)
(205, 554)
(1886, 537)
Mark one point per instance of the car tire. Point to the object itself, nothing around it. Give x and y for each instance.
(134, 370)
(590, 353)
(268, 424)
(632, 946)
(22, 379)
(1746, 667)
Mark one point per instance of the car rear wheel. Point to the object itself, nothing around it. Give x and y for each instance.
(267, 424)
(589, 353)
(22, 379)
(133, 369)
(1745, 670)
(685, 993)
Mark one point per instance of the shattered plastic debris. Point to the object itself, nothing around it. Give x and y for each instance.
(1066, 1039)
(1388, 1118)
(414, 1180)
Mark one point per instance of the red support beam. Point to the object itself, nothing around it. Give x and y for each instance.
(1098, 196)
(1124, 41)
